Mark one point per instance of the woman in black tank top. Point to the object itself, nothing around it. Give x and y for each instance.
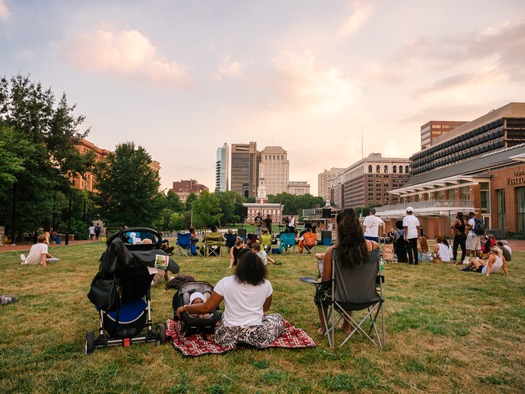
(458, 227)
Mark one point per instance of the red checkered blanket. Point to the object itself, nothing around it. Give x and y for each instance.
(197, 345)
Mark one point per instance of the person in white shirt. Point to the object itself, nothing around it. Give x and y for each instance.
(373, 226)
(412, 228)
(495, 263)
(38, 254)
(441, 251)
(247, 295)
(473, 240)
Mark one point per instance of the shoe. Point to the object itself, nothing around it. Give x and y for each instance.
(277, 263)
(466, 268)
(170, 278)
(23, 258)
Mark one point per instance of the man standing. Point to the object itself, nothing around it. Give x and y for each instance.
(268, 224)
(258, 221)
(411, 227)
(473, 239)
(97, 231)
(373, 226)
(91, 232)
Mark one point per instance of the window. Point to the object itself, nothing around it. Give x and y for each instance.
(485, 197)
(385, 169)
(520, 209)
(378, 168)
(400, 169)
(394, 169)
(406, 170)
(500, 198)
(370, 168)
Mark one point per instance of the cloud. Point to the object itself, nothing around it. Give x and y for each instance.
(229, 69)
(360, 15)
(126, 53)
(302, 82)
(4, 12)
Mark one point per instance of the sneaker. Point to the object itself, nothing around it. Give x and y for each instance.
(23, 258)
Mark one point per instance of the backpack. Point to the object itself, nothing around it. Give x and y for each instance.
(479, 226)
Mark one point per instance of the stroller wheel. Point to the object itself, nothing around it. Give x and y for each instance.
(89, 346)
(160, 332)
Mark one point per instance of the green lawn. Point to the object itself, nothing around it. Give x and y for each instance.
(447, 331)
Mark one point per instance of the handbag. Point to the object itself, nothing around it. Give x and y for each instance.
(105, 294)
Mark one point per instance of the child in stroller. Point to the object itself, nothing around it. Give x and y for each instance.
(121, 290)
(190, 293)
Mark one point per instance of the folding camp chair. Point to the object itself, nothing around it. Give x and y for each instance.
(287, 243)
(309, 242)
(357, 297)
(212, 244)
(184, 244)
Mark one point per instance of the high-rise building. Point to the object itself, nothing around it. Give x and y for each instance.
(276, 168)
(222, 168)
(368, 181)
(298, 188)
(436, 128)
(245, 161)
(324, 180)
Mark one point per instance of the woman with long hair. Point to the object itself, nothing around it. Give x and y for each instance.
(460, 237)
(350, 249)
(247, 294)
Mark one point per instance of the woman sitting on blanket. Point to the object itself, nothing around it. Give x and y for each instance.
(351, 248)
(247, 295)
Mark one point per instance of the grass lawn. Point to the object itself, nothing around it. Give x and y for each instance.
(447, 331)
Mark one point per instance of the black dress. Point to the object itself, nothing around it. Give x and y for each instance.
(400, 246)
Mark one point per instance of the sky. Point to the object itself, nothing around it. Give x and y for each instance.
(329, 81)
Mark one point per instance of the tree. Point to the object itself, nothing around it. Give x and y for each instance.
(128, 189)
(177, 221)
(230, 202)
(293, 205)
(10, 163)
(48, 132)
(207, 210)
(173, 202)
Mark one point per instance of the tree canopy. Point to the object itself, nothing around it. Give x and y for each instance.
(128, 188)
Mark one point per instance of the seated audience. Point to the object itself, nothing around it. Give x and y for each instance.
(256, 247)
(494, 263)
(423, 249)
(490, 242)
(213, 238)
(308, 238)
(247, 294)
(441, 251)
(235, 251)
(38, 254)
(505, 248)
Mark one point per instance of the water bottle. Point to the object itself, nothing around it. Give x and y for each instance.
(381, 264)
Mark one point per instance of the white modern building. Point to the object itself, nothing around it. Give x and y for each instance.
(222, 168)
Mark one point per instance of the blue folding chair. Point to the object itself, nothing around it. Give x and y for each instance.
(287, 241)
(184, 244)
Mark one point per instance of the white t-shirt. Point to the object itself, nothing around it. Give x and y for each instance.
(35, 253)
(243, 302)
(372, 224)
(496, 266)
(412, 223)
(262, 255)
(443, 252)
(471, 222)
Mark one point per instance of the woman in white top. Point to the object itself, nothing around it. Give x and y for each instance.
(247, 295)
(441, 252)
(494, 263)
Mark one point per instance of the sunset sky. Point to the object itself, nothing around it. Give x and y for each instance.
(181, 78)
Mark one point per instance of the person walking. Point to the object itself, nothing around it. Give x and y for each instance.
(411, 227)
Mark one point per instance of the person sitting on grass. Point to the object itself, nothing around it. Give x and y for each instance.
(441, 252)
(7, 299)
(235, 251)
(494, 263)
(38, 254)
(256, 247)
(247, 295)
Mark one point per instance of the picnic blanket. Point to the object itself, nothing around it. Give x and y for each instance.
(198, 344)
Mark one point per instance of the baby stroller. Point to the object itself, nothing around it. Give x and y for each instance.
(193, 324)
(121, 289)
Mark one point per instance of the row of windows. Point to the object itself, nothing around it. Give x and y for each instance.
(385, 169)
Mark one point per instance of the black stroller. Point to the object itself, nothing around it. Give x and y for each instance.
(121, 289)
(191, 324)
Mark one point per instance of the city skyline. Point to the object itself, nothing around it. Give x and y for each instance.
(329, 82)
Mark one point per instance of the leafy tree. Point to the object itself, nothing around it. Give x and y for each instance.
(192, 197)
(230, 203)
(173, 202)
(177, 221)
(48, 133)
(207, 210)
(128, 189)
(10, 163)
(293, 205)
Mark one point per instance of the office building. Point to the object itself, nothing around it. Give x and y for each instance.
(298, 188)
(245, 161)
(276, 168)
(324, 180)
(222, 168)
(184, 188)
(436, 128)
